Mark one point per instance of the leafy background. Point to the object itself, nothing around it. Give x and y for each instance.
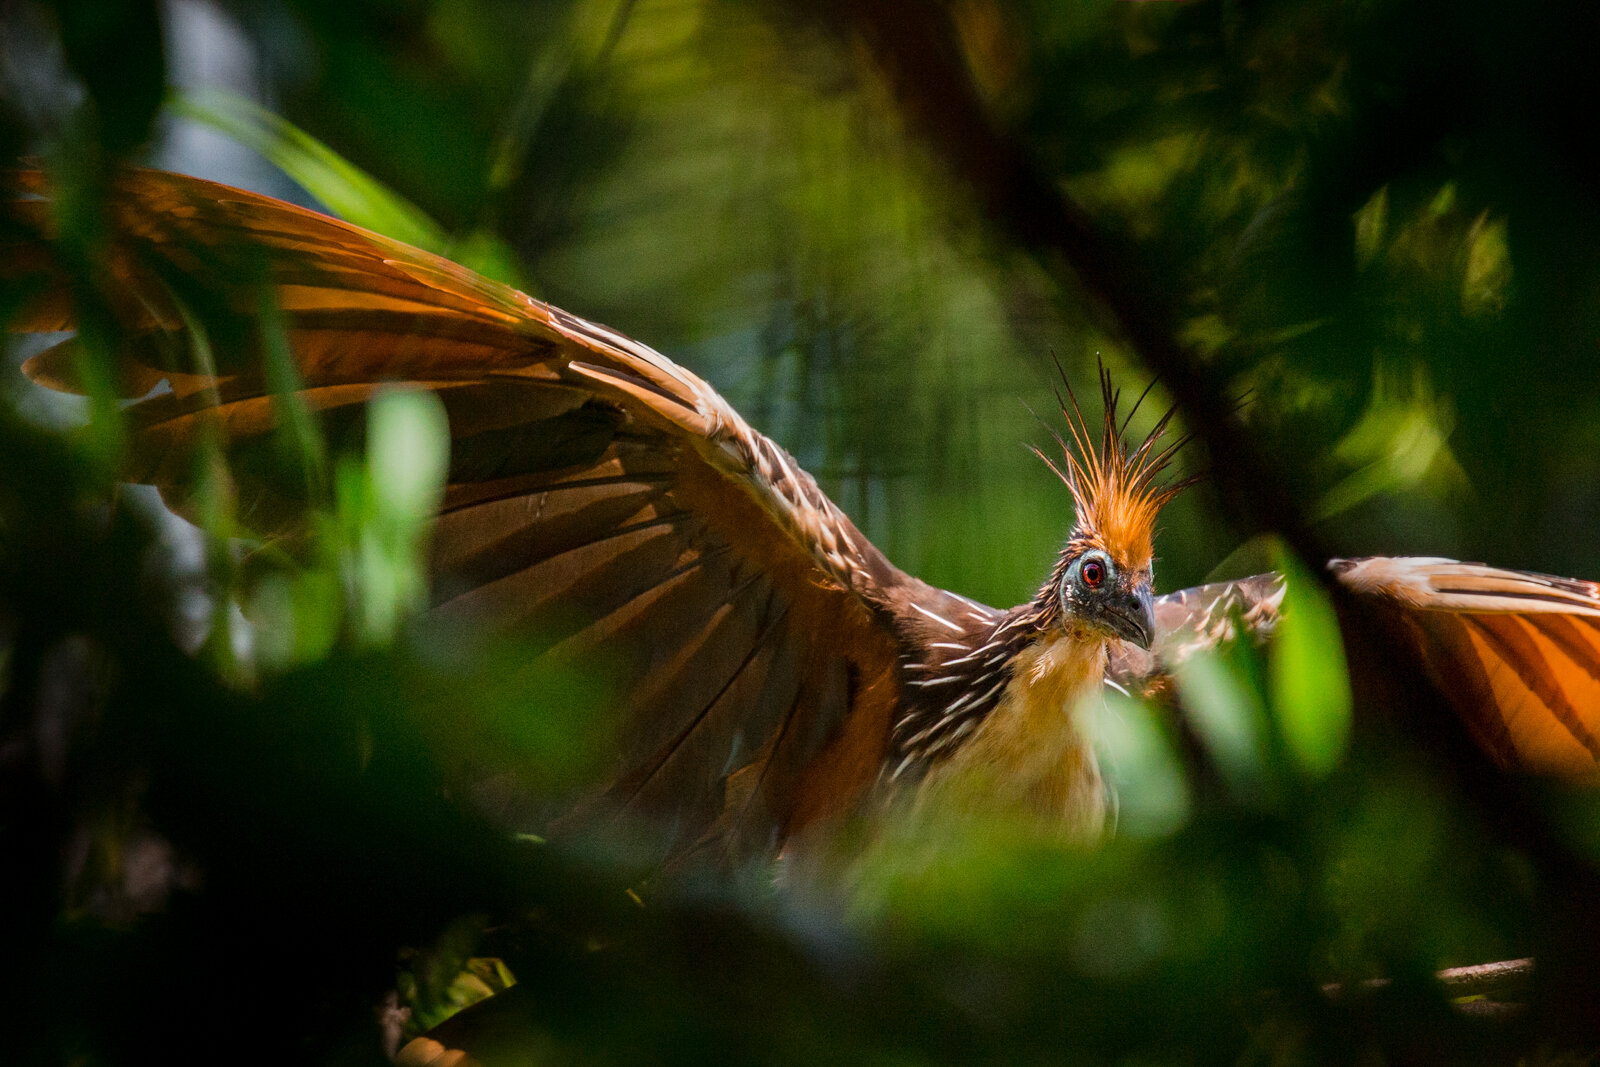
(232, 814)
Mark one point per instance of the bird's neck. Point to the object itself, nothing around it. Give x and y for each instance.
(1032, 755)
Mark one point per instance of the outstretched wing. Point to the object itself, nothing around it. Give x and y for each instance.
(1518, 654)
(598, 493)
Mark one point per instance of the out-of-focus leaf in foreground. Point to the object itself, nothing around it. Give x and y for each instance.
(1306, 672)
(400, 488)
(346, 190)
(349, 192)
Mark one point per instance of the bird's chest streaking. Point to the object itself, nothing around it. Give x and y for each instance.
(1032, 756)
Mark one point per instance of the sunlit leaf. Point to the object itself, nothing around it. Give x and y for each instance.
(1310, 686)
(408, 448)
(1400, 444)
(408, 443)
(1228, 712)
(348, 192)
(1371, 223)
(1488, 271)
(1152, 794)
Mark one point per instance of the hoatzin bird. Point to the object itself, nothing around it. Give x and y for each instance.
(775, 668)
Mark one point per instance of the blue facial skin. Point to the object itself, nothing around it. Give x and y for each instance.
(1094, 591)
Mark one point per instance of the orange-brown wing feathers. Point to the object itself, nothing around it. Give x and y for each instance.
(1517, 653)
(598, 494)
(352, 294)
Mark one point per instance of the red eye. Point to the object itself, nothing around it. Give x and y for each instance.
(1094, 572)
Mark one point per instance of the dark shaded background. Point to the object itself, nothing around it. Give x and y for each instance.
(873, 226)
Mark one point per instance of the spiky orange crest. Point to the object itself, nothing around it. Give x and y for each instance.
(1114, 487)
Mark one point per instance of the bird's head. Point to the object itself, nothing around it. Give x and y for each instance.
(1102, 579)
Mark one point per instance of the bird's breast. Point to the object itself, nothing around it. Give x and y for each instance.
(1033, 755)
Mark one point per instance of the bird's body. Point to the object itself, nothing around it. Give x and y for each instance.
(775, 670)
(1033, 753)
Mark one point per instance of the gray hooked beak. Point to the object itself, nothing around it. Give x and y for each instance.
(1132, 615)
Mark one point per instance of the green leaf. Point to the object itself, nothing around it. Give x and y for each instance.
(346, 189)
(1152, 793)
(408, 448)
(1227, 712)
(1306, 670)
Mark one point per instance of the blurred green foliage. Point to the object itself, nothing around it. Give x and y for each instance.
(1380, 219)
